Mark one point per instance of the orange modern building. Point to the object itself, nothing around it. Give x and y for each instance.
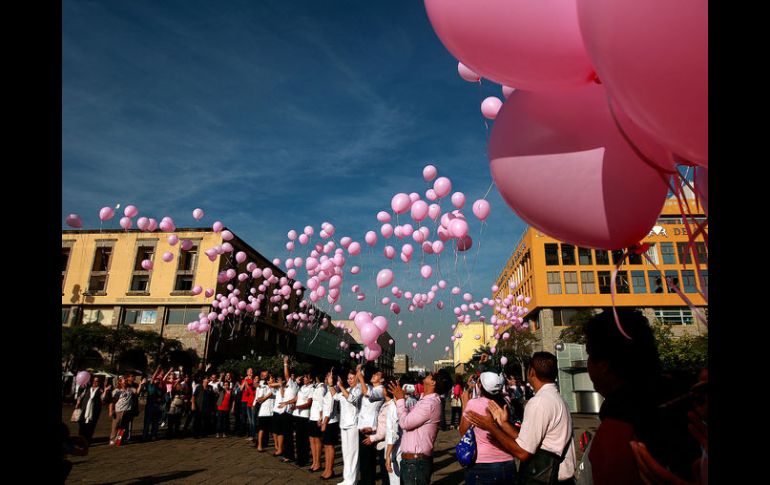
(561, 278)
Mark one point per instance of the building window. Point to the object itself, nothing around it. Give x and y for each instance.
(182, 315)
(567, 254)
(674, 315)
(563, 316)
(587, 279)
(97, 283)
(637, 279)
(621, 282)
(102, 316)
(656, 282)
(584, 256)
(602, 257)
(554, 283)
(140, 278)
(65, 257)
(552, 254)
(700, 249)
(667, 251)
(705, 275)
(617, 256)
(672, 280)
(185, 273)
(604, 282)
(570, 283)
(652, 254)
(683, 252)
(688, 281)
(145, 316)
(634, 258)
(65, 315)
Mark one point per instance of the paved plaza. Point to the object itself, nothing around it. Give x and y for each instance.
(228, 460)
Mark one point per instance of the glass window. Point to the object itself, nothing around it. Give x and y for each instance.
(140, 282)
(567, 254)
(65, 315)
(617, 256)
(705, 275)
(97, 284)
(602, 257)
(182, 315)
(667, 251)
(584, 256)
(674, 315)
(65, 257)
(700, 249)
(188, 259)
(672, 279)
(142, 253)
(621, 282)
(140, 315)
(656, 282)
(634, 258)
(688, 281)
(552, 254)
(102, 259)
(637, 279)
(563, 316)
(102, 316)
(570, 282)
(183, 283)
(587, 279)
(683, 253)
(652, 253)
(554, 283)
(604, 282)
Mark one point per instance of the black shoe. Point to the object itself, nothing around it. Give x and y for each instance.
(334, 475)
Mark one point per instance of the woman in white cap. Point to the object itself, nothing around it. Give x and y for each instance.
(493, 463)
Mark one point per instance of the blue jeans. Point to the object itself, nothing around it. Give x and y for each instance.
(502, 472)
(223, 422)
(251, 418)
(416, 472)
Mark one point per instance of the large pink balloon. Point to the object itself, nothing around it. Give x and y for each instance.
(354, 248)
(507, 91)
(490, 106)
(644, 144)
(106, 213)
(467, 74)
(426, 271)
(83, 378)
(370, 238)
(400, 203)
(652, 56)
(369, 333)
(386, 230)
(381, 323)
(528, 44)
(481, 209)
(429, 173)
(458, 200)
(385, 277)
(442, 186)
(458, 228)
(568, 171)
(419, 210)
(372, 352)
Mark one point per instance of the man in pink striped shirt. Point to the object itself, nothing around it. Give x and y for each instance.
(420, 427)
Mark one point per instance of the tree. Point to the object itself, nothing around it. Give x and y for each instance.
(687, 354)
(518, 349)
(573, 333)
(81, 340)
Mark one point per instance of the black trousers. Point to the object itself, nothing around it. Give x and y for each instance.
(367, 464)
(303, 441)
(86, 430)
(287, 430)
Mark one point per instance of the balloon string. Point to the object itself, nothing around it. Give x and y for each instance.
(492, 184)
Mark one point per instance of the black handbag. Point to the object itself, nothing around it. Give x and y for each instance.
(543, 467)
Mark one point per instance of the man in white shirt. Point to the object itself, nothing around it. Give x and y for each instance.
(314, 422)
(350, 400)
(546, 435)
(371, 401)
(300, 417)
(284, 407)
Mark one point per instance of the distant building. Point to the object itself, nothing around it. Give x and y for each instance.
(401, 364)
(419, 369)
(442, 363)
(466, 346)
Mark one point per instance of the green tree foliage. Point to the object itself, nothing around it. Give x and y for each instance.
(573, 333)
(518, 349)
(686, 354)
(273, 363)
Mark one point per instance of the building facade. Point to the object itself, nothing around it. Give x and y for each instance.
(401, 364)
(466, 345)
(443, 364)
(103, 281)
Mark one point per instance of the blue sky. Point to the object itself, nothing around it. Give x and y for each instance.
(274, 115)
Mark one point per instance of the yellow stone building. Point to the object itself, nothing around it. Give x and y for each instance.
(103, 281)
(465, 346)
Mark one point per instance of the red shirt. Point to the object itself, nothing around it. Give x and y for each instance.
(248, 391)
(225, 406)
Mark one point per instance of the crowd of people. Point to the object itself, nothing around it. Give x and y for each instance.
(523, 431)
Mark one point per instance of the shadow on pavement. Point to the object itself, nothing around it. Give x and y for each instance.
(160, 478)
(455, 477)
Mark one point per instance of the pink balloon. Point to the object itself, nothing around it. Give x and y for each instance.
(355, 270)
(106, 213)
(172, 238)
(443, 234)
(386, 230)
(142, 223)
(407, 249)
(240, 257)
(430, 194)
(308, 230)
(226, 235)
(521, 43)
(381, 323)
(481, 209)
(407, 230)
(467, 73)
(390, 341)
(197, 214)
(464, 243)
(292, 235)
(73, 220)
(429, 173)
(414, 345)
(642, 142)
(290, 246)
(125, 222)
(701, 186)
(395, 308)
(389, 251)
(209, 293)
(83, 378)
(414, 197)
(354, 248)
(405, 258)
(426, 271)
(458, 200)
(503, 360)
(434, 211)
(400, 203)
(458, 228)
(437, 246)
(153, 225)
(398, 232)
(130, 211)
(657, 74)
(217, 226)
(440, 305)
(303, 239)
(490, 106)
(369, 333)
(384, 278)
(147, 265)
(419, 210)
(167, 225)
(372, 352)
(370, 238)
(427, 248)
(569, 173)
(442, 186)
(345, 242)
(418, 236)
(383, 216)
(167, 256)
(507, 91)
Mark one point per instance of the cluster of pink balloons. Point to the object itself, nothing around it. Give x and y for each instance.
(507, 314)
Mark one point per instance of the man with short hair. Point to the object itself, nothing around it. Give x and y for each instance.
(544, 445)
(420, 427)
